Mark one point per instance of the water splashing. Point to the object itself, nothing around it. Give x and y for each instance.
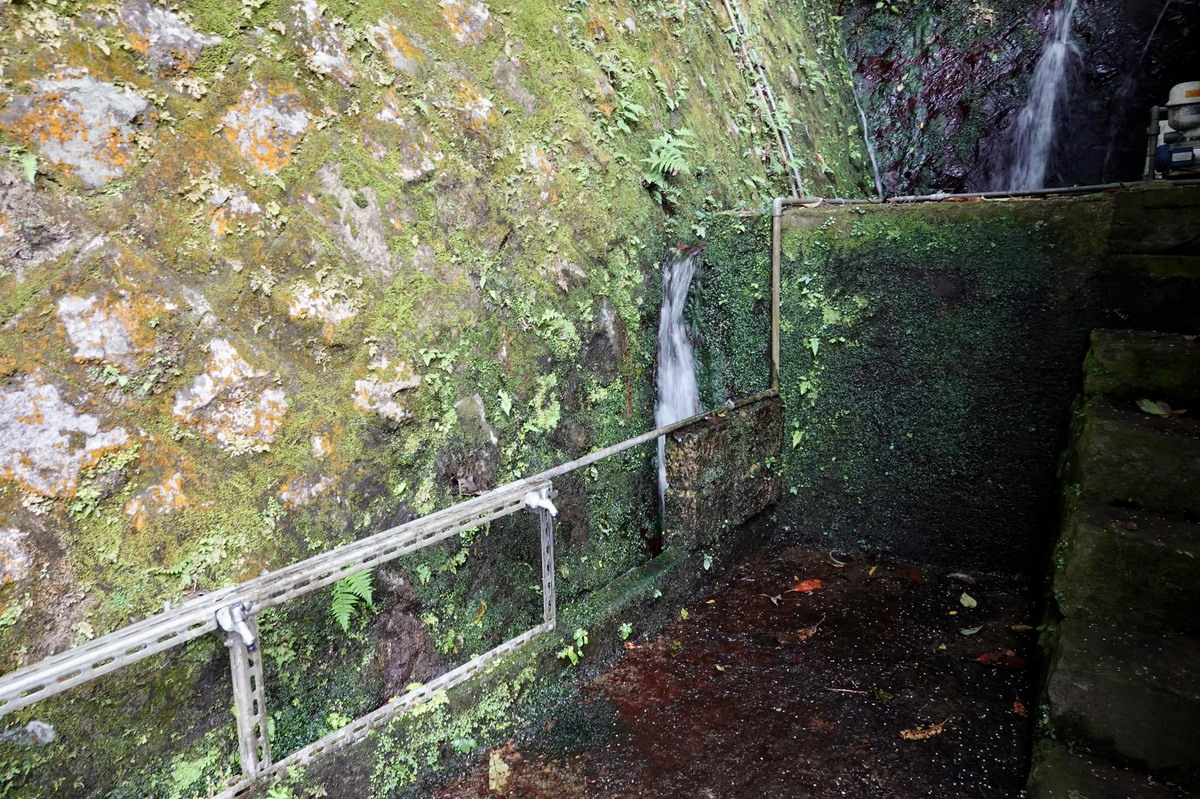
(678, 396)
(1033, 136)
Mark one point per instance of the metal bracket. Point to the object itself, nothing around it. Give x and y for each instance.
(249, 695)
(236, 619)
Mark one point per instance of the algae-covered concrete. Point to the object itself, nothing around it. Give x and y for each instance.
(930, 355)
(278, 274)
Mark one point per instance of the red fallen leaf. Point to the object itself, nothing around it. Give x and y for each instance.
(1007, 659)
(1019, 707)
(805, 587)
(914, 576)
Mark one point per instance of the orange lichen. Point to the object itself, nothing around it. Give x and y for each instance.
(396, 48)
(467, 21)
(266, 127)
(157, 500)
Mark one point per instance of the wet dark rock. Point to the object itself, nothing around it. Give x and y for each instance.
(406, 653)
(1061, 774)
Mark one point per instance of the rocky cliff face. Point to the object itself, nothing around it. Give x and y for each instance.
(274, 275)
(943, 83)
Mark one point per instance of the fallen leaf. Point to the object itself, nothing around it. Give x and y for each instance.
(1154, 408)
(1019, 707)
(818, 723)
(914, 576)
(720, 668)
(1020, 628)
(923, 733)
(1007, 659)
(872, 572)
(711, 602)
(805, 587)
(882, 695)
(683, 614)
(967, 600)
(972, 630)
(630, 645)
(774, 599)
(498, 772)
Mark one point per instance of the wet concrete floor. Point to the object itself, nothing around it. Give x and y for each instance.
(881, 680)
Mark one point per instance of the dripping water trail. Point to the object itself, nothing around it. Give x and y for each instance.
(678, 397)
(866, 131)
(1033, 135)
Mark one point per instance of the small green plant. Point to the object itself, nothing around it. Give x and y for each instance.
(574, 652)
(667, 159)
(625, 630)
(350, 594)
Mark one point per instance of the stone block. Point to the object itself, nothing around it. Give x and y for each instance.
(720, 473)
(1129, 568)
(1061, 774)
(1131, 696)
(1123, 456)
(1132, 364)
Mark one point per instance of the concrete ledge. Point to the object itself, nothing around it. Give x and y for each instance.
(1132, 364)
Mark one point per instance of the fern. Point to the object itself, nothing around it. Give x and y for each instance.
(667, 156)
(350, 593)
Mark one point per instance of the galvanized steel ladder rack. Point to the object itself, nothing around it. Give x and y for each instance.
(232, 612)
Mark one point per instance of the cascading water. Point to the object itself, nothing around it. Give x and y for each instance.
(1033, 136)
(678, 395)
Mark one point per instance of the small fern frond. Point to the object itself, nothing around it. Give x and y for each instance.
(350, 593)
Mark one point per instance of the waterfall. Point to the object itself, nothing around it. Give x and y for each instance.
(678, 396)
(1033, 136)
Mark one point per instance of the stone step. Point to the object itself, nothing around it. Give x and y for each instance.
(1122, 456)
(1061, 774)
(1136, 364)
(1129, 697)
(1156, 219)
(1129, 568)
(1154, 292)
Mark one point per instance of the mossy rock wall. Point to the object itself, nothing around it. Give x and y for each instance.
(276, 275)
(930, 354)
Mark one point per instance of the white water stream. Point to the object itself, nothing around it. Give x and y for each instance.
(678, 396)
(868, 140)
(1033, 135)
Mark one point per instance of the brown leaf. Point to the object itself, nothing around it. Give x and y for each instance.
(1007, 659)
(1019, 708)
(818, 723)
(914, 576)
(923, 733)
(805, 587)
(1020, 628)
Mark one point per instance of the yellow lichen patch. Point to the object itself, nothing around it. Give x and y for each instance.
(45, 442)
(157, 500)
(112, 329)
(163, 37)
(266, 126)
(230, 402)
(396, 48)
(403, 134)
(327, 303)
(467, 21)
(476, 109)
(303, 490)
(82, 125)
(228, 209)
(378, 393)
(322, 445)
